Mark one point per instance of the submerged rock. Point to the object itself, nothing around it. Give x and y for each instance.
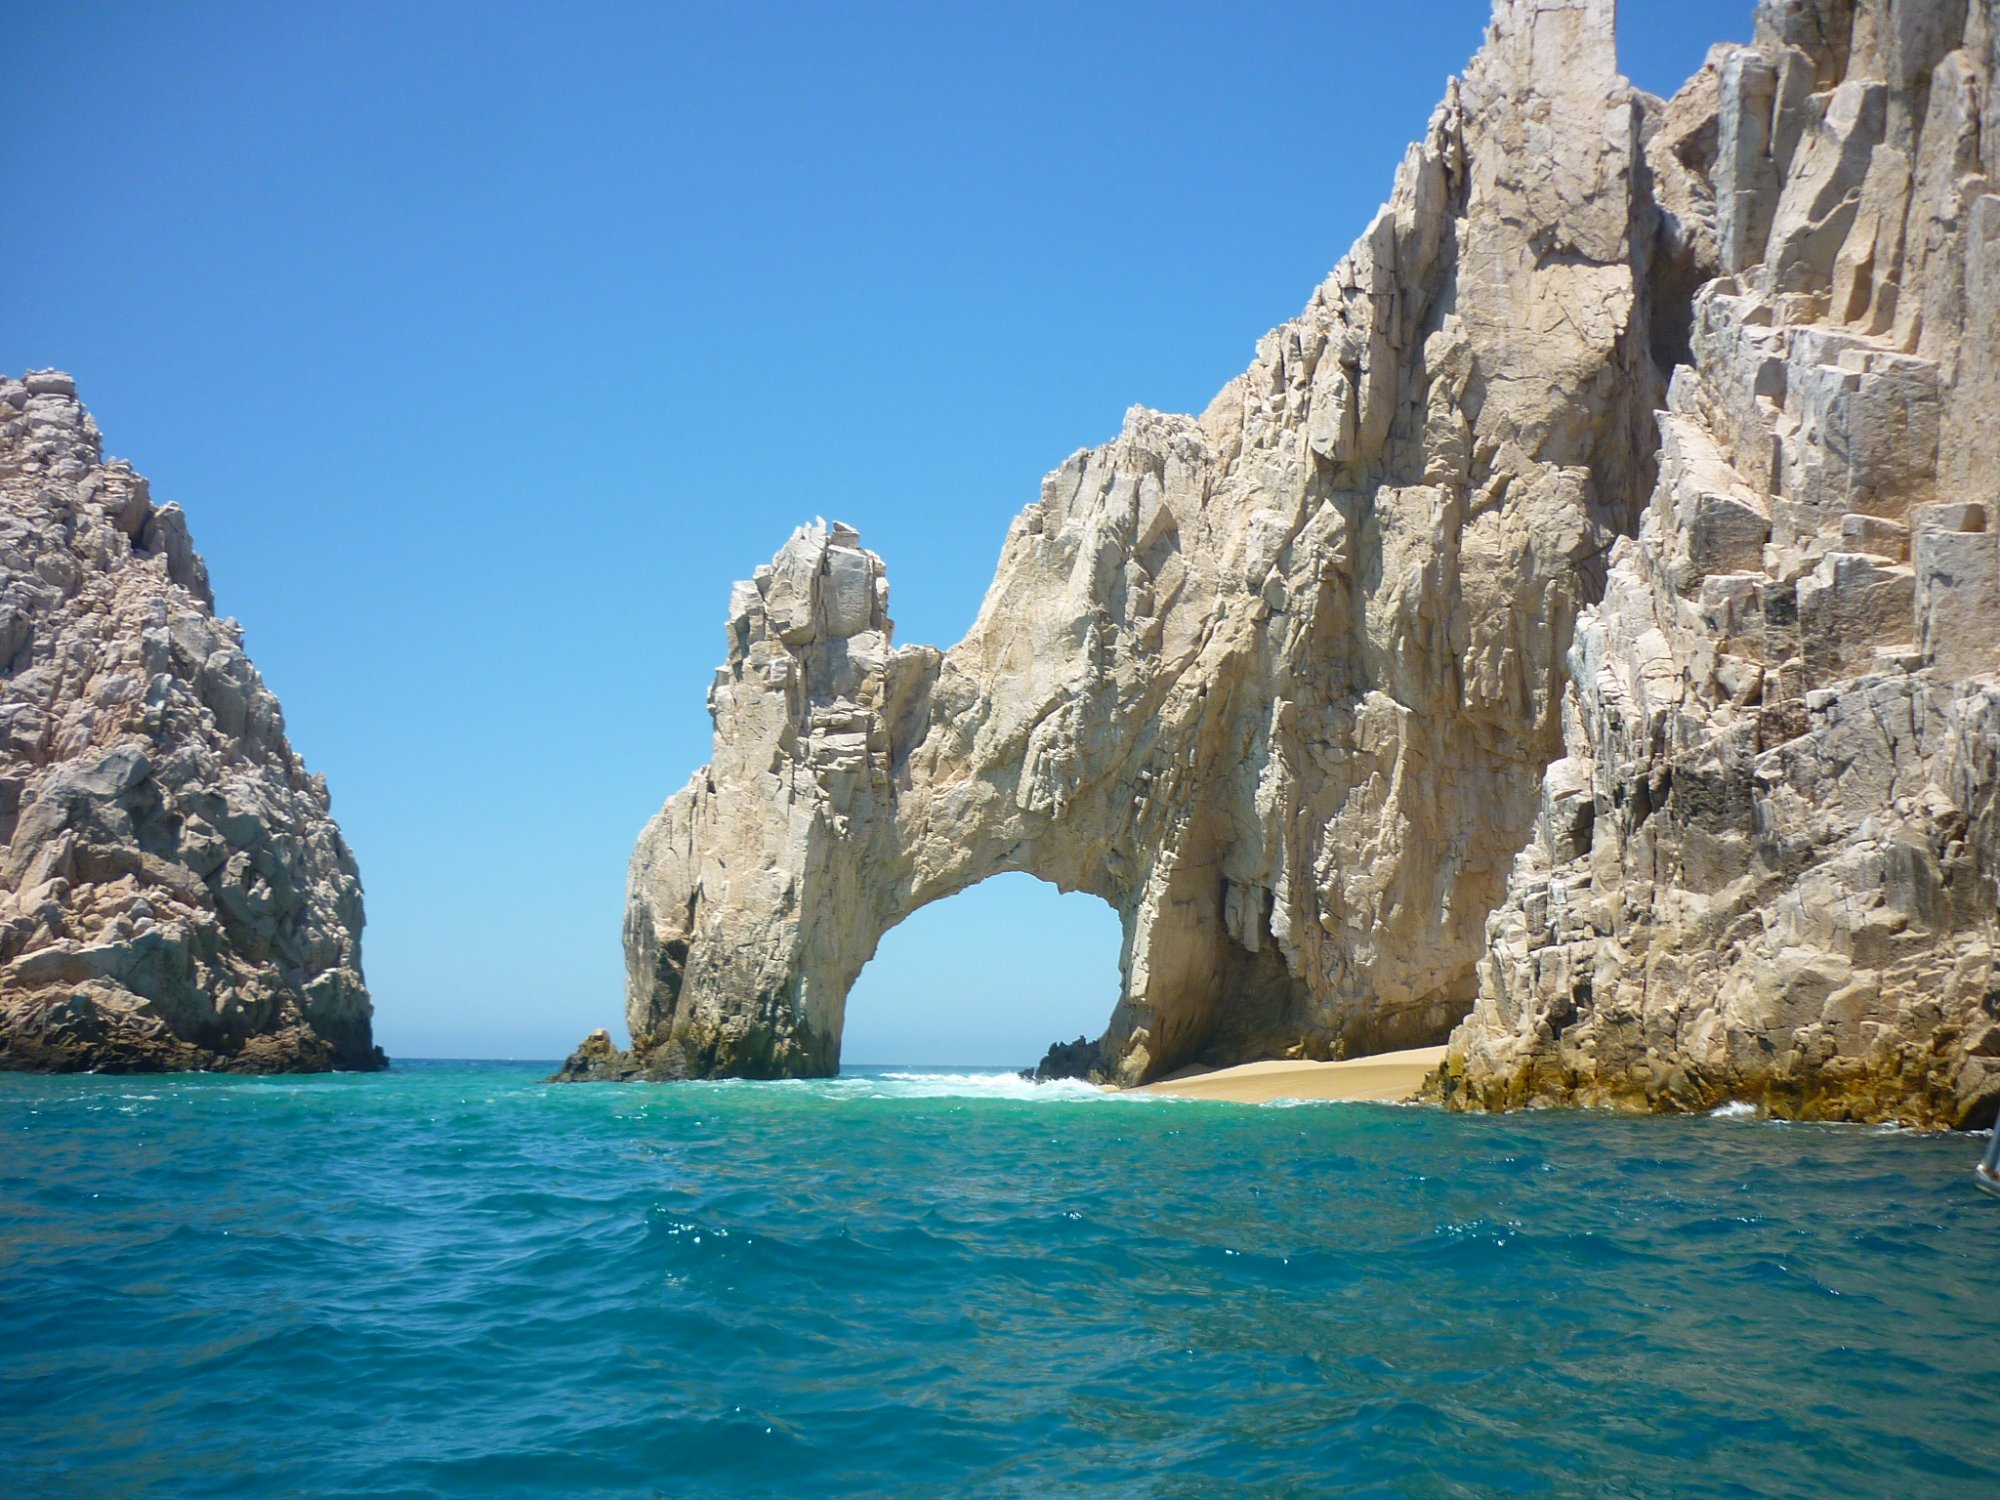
(174, 893)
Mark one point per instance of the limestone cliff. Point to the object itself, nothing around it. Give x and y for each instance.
(1764, 867)
(173, 891)
(1278, 682)
(1621, 502)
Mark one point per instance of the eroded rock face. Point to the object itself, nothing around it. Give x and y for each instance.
(1764, 867)
(173, 891)
(1277, 682)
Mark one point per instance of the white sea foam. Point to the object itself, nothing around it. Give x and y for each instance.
(1736, 1109)
(915, 1084)
(942, 1083)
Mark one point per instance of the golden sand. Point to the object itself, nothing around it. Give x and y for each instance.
(1385, 1076)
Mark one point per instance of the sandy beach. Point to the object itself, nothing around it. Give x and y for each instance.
(1385, 1076)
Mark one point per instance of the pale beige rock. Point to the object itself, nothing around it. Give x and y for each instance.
(1780, 884)
(1278, 683)
(173, 891)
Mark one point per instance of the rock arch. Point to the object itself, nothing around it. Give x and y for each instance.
(1277, 682)
(991, 976)
(882, 781)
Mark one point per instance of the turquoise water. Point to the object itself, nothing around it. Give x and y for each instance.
(448, 1280)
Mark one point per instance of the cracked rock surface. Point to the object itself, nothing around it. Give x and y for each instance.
(173, 891)
(1764, 866)
(1277, 682)
(1579, 628)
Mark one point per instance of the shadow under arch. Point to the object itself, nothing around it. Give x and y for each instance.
(988, 976)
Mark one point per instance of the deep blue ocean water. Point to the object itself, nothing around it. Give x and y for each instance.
(450, 1280)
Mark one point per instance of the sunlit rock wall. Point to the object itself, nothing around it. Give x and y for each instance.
(1277, 682)
(1765, 864)
(173, 891)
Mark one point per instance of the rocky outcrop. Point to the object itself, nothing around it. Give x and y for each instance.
(597, 1059)
(1764, 866)
(1278, 682)
(1624, 502)
(173, 891)
(1081, 1058)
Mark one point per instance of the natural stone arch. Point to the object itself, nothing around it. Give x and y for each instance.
(883, 781)
(1277, 682)
(993, 975)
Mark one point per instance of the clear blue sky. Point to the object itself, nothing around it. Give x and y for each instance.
(487, 343)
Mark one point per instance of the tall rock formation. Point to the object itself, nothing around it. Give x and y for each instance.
(173, 891)
(1291, 684)
(1278, 682)
(1765, 865)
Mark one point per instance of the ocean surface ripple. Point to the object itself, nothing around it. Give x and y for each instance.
(450, 1280)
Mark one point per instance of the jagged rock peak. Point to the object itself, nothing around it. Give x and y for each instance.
(1278, 682)
(174, 893)
(1765, 864)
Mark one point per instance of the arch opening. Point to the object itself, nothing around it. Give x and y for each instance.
(987, 977)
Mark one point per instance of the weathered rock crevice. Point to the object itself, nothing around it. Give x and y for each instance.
(1277, 682)
(1579, 624)
(1764, 866)
(174, 893)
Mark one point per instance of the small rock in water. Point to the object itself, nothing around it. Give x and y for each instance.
(1078, 1059)
(598, 1060)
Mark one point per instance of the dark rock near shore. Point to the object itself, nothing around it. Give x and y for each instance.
(597, 1059)
(1081, 1058)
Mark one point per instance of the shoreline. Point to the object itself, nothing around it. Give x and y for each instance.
(1385, 1078)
